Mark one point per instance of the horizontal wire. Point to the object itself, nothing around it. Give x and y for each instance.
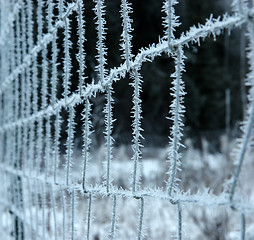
(117, 73)
(46, 39)
(99, 190)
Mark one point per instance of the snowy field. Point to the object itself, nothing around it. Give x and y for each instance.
(203, 174)
(200, 171)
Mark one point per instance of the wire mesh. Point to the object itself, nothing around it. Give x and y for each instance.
(46, 194)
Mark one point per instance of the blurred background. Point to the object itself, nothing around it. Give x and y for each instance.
(214, 75)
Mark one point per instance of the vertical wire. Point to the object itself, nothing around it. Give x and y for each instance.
(63, 211)
(43, 203)
(136, 127)
(48, 146)
(36, 203)
(54, 70)
(100, 44)
(176, 109)
(113, 223)
(72, 213)
(81, 54)
(141, 214)
(56, 143)
(249, 121)
(89, 216)
(67, 59)
(70, 138)
(54, 211)
(126, 33)
(108, 135)
(243, 227)
(179, 209)
(30, 44)
(86, 140)
(30, 206)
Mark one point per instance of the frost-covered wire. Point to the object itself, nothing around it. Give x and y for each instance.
(81, 39)
(44, 80)
(240, 6)
(89, 213)
(10, 21)
(44, 41)
(108, 135)
(39, 21)
(170, 21)
(179, 232)
(244, 143)
(47, 146)
(126, 37)
(101, 35)
(67, 59)
(177, 110)
(31, 112)
(30, 25)
(63, 203)
(60, 7)
(54, 70)
(49, 14)
(69, 143)
(57, 133)
(243, 223)
(87, 125)
(73, 202)
(39, 145)
(195, 34)
(136, 127)
(53, 202)
(140, 223)
(114, 219)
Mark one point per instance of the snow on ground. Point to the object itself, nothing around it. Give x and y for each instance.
(200, 170)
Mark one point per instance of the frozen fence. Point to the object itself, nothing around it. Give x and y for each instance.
(41, 195)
